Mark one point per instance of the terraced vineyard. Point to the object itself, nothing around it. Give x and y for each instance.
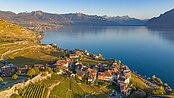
(70, 89)
(95, 91)
(51, 81)
(67, 89)
(62, 90)
(35, 91)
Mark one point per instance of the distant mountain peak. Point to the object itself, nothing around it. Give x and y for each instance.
(126, 16)
(38, 12)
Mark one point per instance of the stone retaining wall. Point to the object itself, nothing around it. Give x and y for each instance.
(7, 93)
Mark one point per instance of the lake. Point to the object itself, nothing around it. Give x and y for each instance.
(149, 51)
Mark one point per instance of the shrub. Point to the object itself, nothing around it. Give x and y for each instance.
(15, 77)
(15, 96)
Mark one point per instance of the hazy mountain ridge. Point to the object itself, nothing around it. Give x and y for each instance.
(39, 18)
(6, 15)
(164, 20)
(126, 20)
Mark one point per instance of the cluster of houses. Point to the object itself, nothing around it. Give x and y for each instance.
(119, 74)
(8, 69)
(124, 80)
(77, 53)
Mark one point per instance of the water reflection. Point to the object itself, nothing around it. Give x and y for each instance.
(165, 33)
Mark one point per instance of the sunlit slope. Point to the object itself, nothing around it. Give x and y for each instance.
(10, 33)
(21, 46)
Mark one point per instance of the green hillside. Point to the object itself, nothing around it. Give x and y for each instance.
(11, 33)
(22, 46)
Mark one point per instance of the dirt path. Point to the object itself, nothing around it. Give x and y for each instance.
(51, 88)
(94, 92)
(19, 42)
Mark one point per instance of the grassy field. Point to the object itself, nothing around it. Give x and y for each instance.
(138, 82)
(88, 60)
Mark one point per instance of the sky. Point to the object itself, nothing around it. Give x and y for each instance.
(142, 9)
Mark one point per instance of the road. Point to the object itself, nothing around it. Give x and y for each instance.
(116, 96)
(21, 79)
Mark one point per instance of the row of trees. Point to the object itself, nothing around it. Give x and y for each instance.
(156, 79)
(35, 71)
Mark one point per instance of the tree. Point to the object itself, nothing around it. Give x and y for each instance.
(56, 70)
(1, 79)
(158, 91)
(15, 77)
(12, 71)
(134, 88)
(37, 71)
(31, 72)
(85, 78)
(15, 96)
(48, 69)
(122, 66)
(18, 72)
(159, 81)
(166, 85)
(119, 62)
(115, 61)
(153, 77)
(156, 79)
(100, 56)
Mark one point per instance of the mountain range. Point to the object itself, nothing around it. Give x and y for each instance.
(49, 20)
(40, 20)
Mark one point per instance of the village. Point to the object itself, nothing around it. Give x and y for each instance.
(71, 66)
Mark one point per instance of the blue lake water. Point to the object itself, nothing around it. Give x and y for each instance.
(149, 51)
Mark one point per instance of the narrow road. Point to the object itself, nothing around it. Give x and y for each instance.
(21, 78)
(13, 43)
(51, 88)
(93, 92)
